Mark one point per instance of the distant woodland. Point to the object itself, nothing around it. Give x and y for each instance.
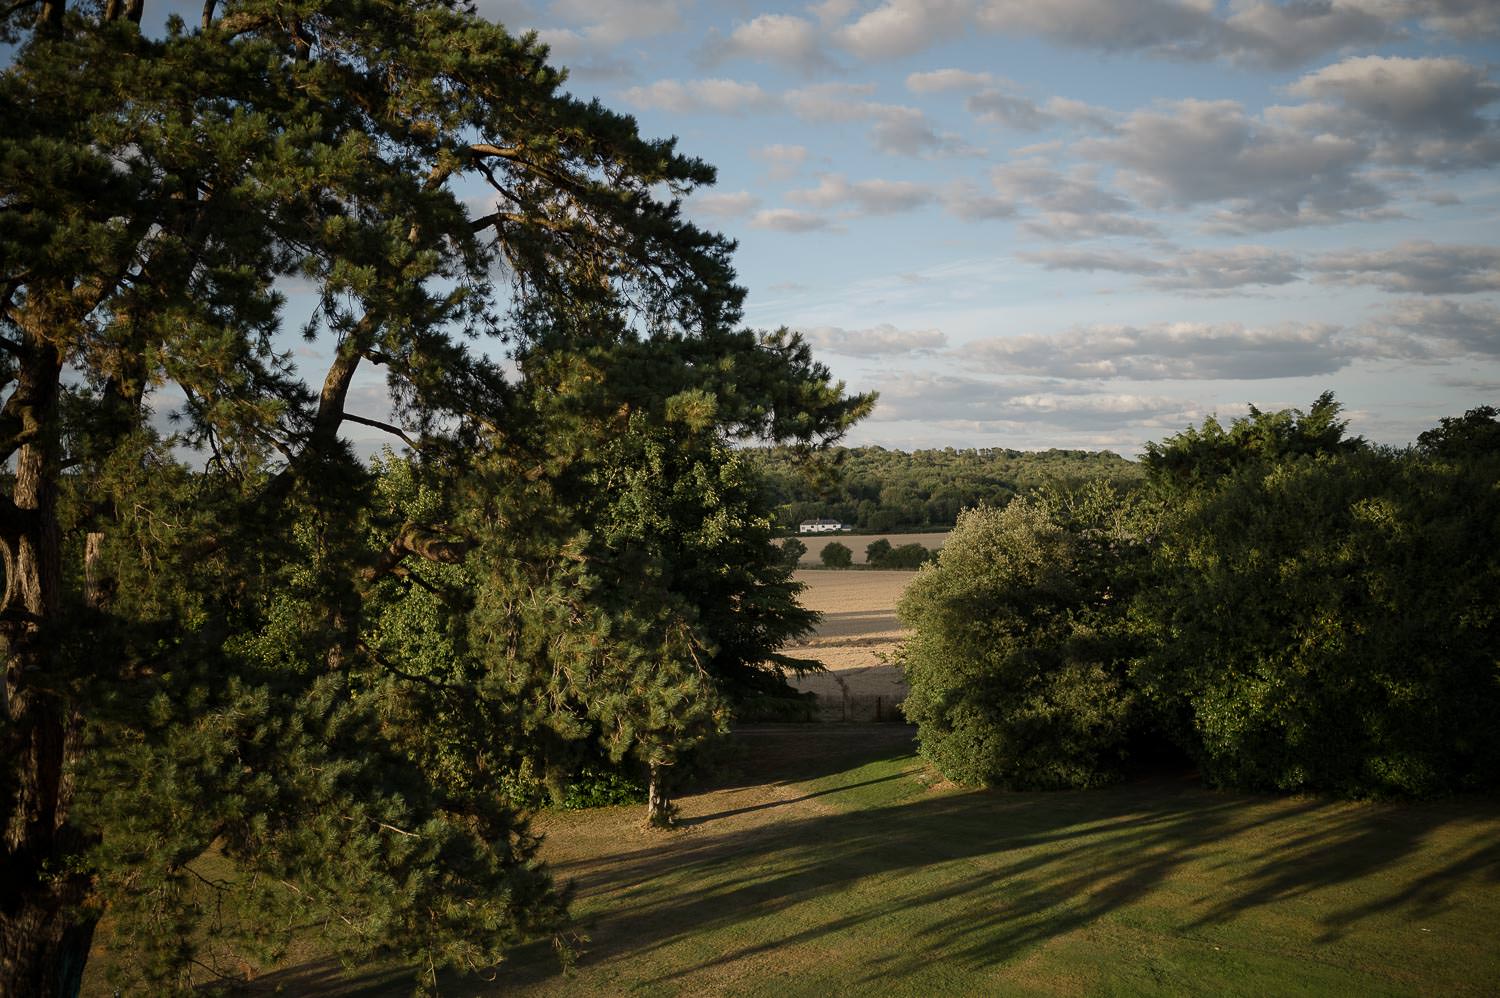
(879, 490)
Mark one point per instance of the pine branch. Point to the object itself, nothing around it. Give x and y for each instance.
(387, 427)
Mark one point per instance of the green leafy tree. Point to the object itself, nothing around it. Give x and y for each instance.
(907, 556)
(836, 555)
(792, 551)
(877, 551)
(1016, 660)
(216, 657)
(1323, 619)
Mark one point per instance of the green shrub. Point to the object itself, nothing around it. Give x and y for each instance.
(836, 555)
(907, 556)
(877, 551)
(792, 551)
(1328, 622)
(1015, 672)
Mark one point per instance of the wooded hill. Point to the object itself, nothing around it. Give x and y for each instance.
(881, 490)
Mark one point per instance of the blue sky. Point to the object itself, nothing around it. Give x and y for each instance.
(1087, 223)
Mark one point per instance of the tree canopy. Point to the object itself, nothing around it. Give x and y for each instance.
(315, 669)
(1295, 609)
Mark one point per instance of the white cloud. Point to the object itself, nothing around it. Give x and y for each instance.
(792, 41)
(789, 220)
(1424, 112)
(967, 202)
(1190, 152)
(1171, 351)
(1011, 110)
(1417, 266)
(873, 197)
(724, 204)
(1445, 328)
(1071, 205)
(883, 340)
(717, 95)
(903, 27)
(831, 101)
(943, 80)
(1205, 271)
(1255, 32)
(1029, 412)
(894, 128)
(783, 161)
(592, 31)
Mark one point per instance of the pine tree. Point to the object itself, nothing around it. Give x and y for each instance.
(189, 656)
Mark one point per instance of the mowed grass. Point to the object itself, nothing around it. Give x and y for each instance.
(839, 864)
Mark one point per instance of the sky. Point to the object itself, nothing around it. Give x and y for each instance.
(1088, 223)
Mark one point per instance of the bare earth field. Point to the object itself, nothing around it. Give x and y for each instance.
(859, 626)
(858, 542)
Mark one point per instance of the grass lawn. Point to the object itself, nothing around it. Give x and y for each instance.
(837, 864)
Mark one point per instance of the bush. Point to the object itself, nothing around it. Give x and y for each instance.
(907, 556)
(1328, 622)
(836, 555)
(792, 551)
(877, 551)
(1015, 666)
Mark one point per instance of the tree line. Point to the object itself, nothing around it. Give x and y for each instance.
(1288, 607)
(878, 490)
(344, 677)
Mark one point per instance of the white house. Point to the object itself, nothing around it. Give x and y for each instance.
(819, 526)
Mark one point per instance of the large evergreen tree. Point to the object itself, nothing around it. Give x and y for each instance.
(189, 657)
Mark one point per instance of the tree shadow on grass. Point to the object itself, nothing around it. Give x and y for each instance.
(976, 880)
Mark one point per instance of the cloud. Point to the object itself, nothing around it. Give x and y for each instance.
(873, 197)
(1000, 108)
(1072, 205)
(592, 31)
(1185, 153)
(943, 80)
(792, 41)
(967, 202)
(726, 204)
(1018, 406)
(789, 220)
(894, 128)
(1418, 266)
(1114, 261)
(784, 161)
(905, 131)
(1171, 351)
(1422, 112)
(1462, 19)
(1005, 107)
(1256, 32)
(717, 95)
(903, 27)
(831, 101)
(1444, 328)
(1204, 271)
(883, 340)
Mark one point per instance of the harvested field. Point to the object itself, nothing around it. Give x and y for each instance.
(859, 628)
(858, 542)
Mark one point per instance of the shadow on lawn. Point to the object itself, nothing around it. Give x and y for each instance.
(977, 879)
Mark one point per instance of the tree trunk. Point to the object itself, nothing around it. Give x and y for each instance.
(44, 932)
(659, 809)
